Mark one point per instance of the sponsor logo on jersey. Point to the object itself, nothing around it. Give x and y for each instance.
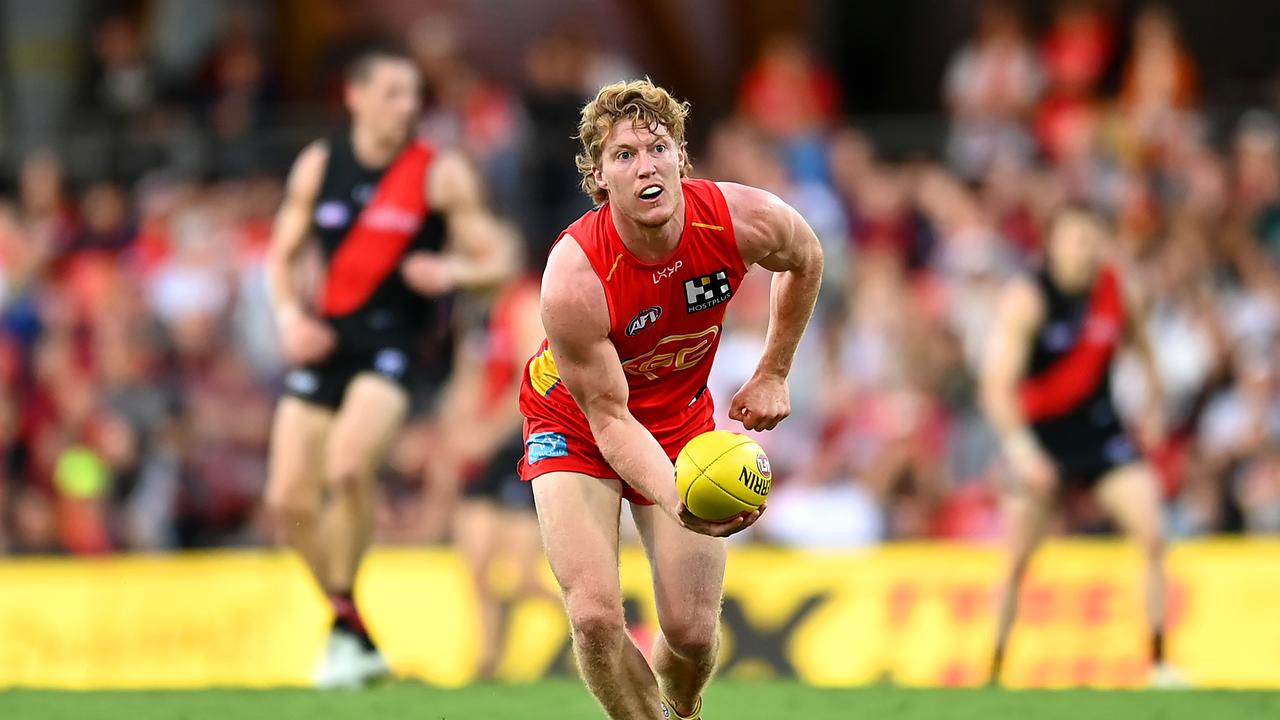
(707, 291)
(332, 214)
(388, 218)
(755, 482)
(391, 362)
(643, 319)
(543, 445)
(666, 273)
(762, 464)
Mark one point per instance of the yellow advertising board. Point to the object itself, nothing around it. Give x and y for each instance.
(910, 614)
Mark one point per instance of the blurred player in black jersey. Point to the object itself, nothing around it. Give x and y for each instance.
(400, 225)
(1046, 386)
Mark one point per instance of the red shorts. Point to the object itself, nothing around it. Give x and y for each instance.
(557, 446)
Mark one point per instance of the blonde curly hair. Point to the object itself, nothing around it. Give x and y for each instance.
(646, 104)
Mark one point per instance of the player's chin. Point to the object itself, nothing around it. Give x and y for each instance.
(652, 215)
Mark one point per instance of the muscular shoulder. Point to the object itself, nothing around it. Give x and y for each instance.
(1021, 303)
(452, 181)
(307, 175)
(760, 219)
(573, 301)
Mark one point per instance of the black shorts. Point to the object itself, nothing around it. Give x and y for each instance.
(325, 383)
(1085, 465)
(500, 481)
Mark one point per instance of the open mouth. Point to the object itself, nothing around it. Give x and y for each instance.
(651, 192)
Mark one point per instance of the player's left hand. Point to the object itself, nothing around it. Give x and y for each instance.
(428, 273)
(721, 528)
(762, 403)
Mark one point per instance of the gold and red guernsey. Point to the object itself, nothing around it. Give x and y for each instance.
(666, 319)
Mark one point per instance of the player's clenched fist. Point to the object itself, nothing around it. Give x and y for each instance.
(762, 403)
(428, 273)
(304, 339)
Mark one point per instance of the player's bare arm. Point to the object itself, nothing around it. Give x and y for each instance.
(479, 254)
(304, 338)
(773, 235)
(576, 318)
(1003, 368)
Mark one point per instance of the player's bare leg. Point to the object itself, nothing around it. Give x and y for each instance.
(688, 583)
(295, 492)
(1026, 514)
(1131, 496)
(579, 515)
(475, 530)
(373, 411)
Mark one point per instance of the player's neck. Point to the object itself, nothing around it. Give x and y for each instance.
(371, 150)
(651, 243)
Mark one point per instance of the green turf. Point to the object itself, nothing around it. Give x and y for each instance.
(566, 700)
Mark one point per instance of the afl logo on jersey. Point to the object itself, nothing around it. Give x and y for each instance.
(643, 319)
(332, 214)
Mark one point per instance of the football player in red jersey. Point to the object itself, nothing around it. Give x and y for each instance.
(633, 302)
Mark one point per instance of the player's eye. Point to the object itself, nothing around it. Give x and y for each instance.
(624, 155)
(659, 148)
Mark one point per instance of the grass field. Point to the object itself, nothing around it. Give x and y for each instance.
(566, 700)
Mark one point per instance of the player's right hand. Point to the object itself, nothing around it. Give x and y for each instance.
(1031, 467)
(717, 528)
(304, 339)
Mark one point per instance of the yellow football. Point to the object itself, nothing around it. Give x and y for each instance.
(720, 474)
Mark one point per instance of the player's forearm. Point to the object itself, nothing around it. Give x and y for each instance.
(632, 451)
(482, 272)
(793, 295)
(285, 298)
(1011, 428)
(489, 257)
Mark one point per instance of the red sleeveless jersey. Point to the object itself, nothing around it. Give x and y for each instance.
(665, 320)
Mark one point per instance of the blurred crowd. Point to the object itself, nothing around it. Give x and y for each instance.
(139, 364)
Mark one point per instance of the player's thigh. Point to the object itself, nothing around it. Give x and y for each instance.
(578, 518)
(373, 410)
(688, 575)
(519, 540)
(475, 528)
(1130, 494)
(298, 434)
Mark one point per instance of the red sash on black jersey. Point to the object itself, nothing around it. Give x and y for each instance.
(1076, 375)
(377, 241)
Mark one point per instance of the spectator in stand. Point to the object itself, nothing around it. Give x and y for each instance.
(990, 88)
(1075, 53)
(793, 99)
(1160, 83)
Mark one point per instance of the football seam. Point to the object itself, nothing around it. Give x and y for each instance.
(712, 480)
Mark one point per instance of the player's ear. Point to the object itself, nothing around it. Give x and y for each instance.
(685, 165)
(351, 96)
(598, 174)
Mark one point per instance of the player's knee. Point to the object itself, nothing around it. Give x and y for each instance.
(693, 637)
(1153, 545)
(290, 508)
(347, 478)
(597, 625)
